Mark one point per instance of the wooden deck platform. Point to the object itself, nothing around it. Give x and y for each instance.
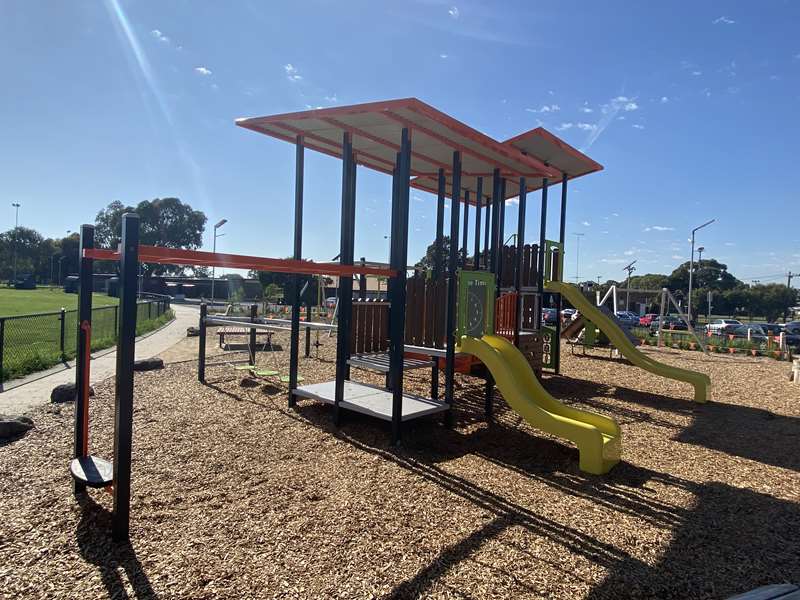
(371, 400)
(379, 361)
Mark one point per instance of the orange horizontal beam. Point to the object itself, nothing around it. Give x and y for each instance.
(178, 256)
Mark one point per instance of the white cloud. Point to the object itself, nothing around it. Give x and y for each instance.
(664, 99)
(676, 257)
(514, 200)
(586, 223)
(630, 251)
(659, 228)
(637, 126)
(586, 109)
(730, 244)
(565, 126)
(587, 126)
(697, 73)
(203, 71)
(443, 55)
(545, 108)
(614, 261)
(156, 33)
(291, 72)
(454, 12)
(332, 98)
(629, 106)
(614, 214)
(723, 20)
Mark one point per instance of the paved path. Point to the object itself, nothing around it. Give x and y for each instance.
(24, 395)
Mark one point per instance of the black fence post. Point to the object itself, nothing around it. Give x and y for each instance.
(62, 335)
(116, 320)
(126, 349)
(201, 345)
(2, 346)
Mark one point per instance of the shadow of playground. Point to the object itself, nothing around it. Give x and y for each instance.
(93, 535)
(737, 430)
(729, 541)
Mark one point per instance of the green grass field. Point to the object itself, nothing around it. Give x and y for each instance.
(25, 302)
(32, 326)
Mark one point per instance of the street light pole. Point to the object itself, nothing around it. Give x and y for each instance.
(691, 267)
(16, 206)
(578, 237)
(214, 269)
(630, 269)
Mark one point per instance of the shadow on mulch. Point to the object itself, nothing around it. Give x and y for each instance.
(736, 430)
(734, 539)
(96, 546)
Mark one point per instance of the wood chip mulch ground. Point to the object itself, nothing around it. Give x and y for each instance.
(237, 496)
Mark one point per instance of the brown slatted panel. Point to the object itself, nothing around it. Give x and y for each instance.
(430, 308)
(362, 326)
(383, 321)
(354, 328)
(441, 312)
(526, 265)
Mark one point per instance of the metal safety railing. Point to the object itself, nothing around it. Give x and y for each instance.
(30, 343)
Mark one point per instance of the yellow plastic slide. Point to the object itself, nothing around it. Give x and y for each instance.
(700, 381)
(597, 437)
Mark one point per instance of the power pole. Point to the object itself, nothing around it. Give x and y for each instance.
(789, 277)
(630, 269)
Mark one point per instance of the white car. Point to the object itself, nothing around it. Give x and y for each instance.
(721, 325)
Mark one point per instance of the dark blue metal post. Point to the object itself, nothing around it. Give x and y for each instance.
(523, 198)
(540, 265)
(486, 234)
(452, 286)
(440, 197)
(501, 233)
(201, 344)
(465, 231)
(126, 349)
(294, 334)
(559, 299)
(81, 366)
(345, 281)
(495, 222)
(398, 262)
(478, 199)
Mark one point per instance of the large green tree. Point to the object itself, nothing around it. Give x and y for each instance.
(166, 222)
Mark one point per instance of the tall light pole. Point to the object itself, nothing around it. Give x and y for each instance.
(691, 267)
(214, 269)
(16, 206)
(578, 237)
(630, 269)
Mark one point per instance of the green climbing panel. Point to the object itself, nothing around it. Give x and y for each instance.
(476, 296)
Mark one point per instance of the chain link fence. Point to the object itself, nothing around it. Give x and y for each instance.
(30, 343)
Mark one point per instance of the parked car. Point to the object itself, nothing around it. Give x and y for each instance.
(628, 318)
(721, 326)
(567, 313)
(771, 328)
(792, 327)
(549, 316)
(671, 322)
(755, 332)
(25, 282)
(645, 320)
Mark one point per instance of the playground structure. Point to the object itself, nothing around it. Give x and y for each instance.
(480, 312)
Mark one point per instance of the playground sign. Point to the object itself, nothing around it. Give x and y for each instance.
(476, 294)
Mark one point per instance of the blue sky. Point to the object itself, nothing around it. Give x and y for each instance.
(691, 107)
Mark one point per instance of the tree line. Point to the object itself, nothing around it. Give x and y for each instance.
(729, 295)
(164, 222)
